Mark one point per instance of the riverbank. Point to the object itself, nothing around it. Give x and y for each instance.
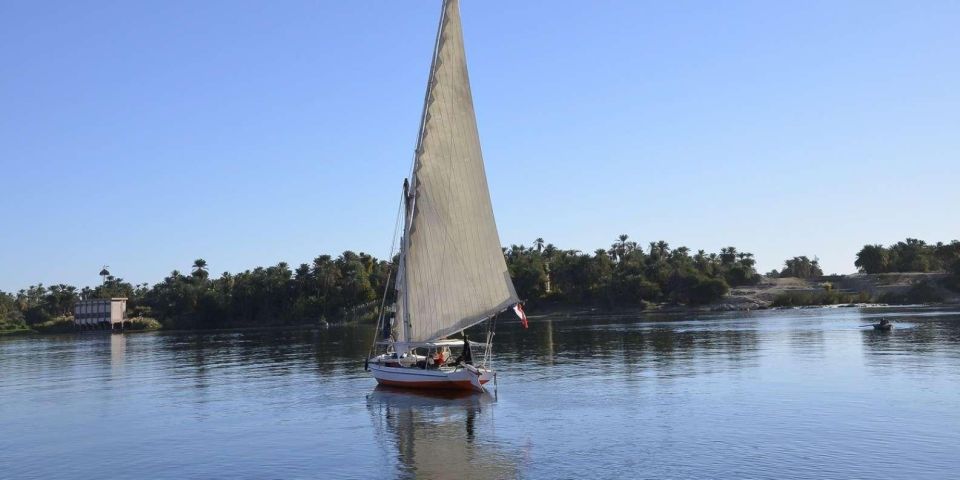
(858, 290)
(159, 328)
(65, 324)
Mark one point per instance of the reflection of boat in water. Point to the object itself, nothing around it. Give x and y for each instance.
(429, 399)
(451, 273)
(434, 433)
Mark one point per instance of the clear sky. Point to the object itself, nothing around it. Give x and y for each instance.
(143, 135)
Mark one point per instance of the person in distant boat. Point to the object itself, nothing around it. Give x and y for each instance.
(884, 322)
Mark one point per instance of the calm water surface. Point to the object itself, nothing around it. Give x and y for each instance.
(788, 394)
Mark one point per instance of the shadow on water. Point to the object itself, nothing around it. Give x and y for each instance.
(440, 434)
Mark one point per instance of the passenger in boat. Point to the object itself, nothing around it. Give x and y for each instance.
(465, 356)
(440, 357)
(392, 360)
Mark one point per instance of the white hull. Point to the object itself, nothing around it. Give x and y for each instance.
(468, 378)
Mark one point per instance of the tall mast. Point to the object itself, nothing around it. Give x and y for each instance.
(409, 190)
(426, 96)
(407, 214)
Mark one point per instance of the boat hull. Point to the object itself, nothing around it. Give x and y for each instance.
(406, 377)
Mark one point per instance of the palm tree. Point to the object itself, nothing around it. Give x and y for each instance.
(200, 268)
(700, 260)
(619, 248)
(728, 255)
(516, 251)
(659, 250)
(538, 244)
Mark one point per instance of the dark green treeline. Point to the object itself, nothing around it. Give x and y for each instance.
(350, 286)
(911, 255)
(626, 274)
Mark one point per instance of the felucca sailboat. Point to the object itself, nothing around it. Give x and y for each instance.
(451, 274)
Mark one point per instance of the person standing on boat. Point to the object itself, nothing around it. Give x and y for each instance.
(465, 356)
(387, 327)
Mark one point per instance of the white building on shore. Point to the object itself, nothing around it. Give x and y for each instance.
(99, 313)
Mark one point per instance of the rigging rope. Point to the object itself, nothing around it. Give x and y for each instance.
(386, 285)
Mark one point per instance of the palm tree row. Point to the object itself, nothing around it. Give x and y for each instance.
(625, 274)
(329, 288)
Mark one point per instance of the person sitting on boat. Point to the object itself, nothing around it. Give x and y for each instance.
(884, 322)
(440, 357)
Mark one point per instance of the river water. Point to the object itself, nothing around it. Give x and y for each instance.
(775, 394)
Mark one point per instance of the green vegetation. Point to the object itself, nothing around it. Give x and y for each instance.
(11, 318)
(346, 287)
(626, 275)
(60, 324)
(145, 324)
(801, 267)
(914, 255)
(349, 286)
(328, 288)
(911, 255)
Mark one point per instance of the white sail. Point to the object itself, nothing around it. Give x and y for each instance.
(454, 274)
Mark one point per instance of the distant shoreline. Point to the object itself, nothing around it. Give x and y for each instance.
(835, 291)
(304, 326)
(553, 311)
(856, 290)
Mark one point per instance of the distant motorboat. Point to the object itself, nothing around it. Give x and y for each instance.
(883, 326)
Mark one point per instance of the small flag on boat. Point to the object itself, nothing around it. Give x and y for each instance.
(518, 309)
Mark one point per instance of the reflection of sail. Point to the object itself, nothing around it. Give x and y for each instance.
(440, 436)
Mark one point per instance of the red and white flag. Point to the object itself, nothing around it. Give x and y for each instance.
(518, 309)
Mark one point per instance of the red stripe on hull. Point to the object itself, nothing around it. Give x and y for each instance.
(442, 385)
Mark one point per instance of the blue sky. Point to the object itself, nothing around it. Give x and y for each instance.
(143, 135)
